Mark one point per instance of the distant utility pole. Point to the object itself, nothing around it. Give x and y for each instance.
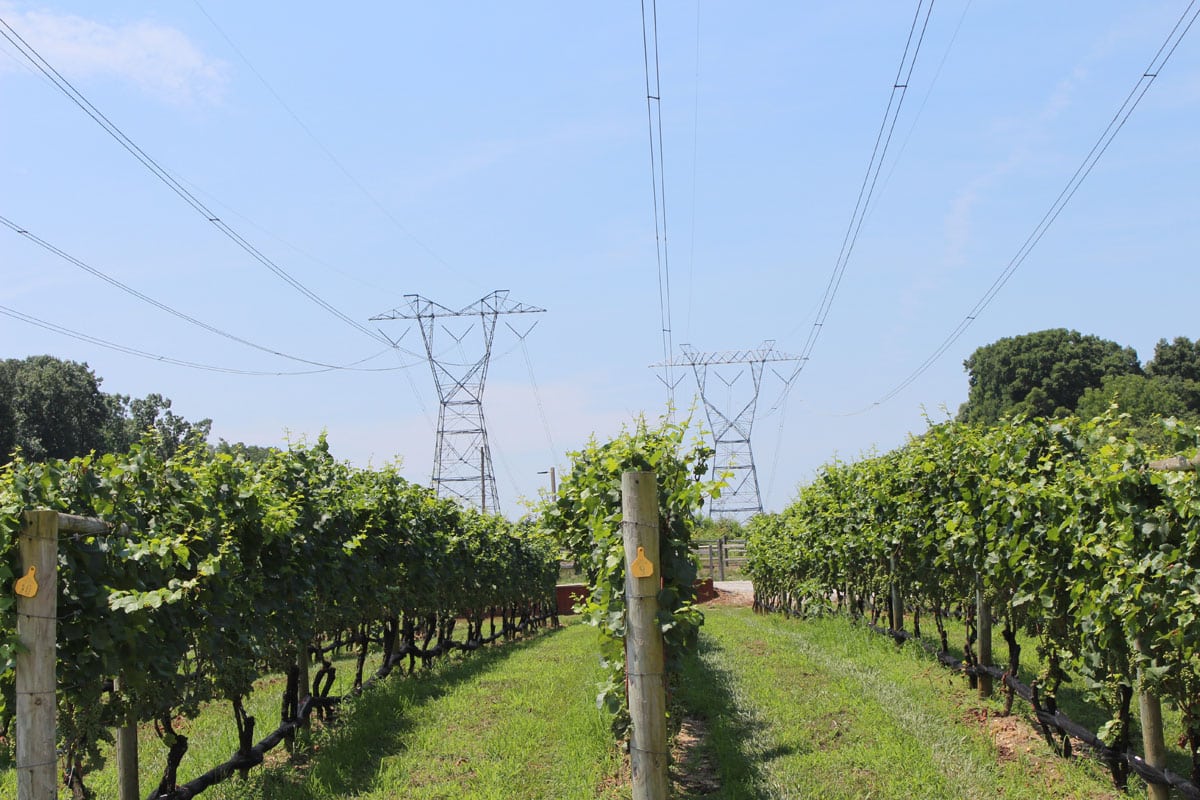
(731, 421)
(462, 461)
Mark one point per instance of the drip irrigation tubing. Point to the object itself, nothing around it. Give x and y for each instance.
(1062, 723)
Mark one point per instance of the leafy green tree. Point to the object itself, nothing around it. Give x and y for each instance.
(55, 408)
(1143, 403)
(152, 414)
(1140, 396)
(1179, 358)
(8, 420)
(253, 453)
(728, 527)
(1040, 374)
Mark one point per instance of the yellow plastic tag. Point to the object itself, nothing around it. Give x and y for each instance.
(641, 566)
(28, 586)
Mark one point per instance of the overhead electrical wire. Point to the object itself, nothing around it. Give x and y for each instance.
(537, 395)
(687, 327)
(290, 245)
(883, 138)
(134, 351)
(658, 185)
(937, 73)
(383, 209)
(908, 62)
(73, 94)
(1140, 87)
(45, 245)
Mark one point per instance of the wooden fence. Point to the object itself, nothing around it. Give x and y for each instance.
(720, 555)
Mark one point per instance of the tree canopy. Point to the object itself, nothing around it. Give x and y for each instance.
(1040, 374)
(52, 408)
(1058, 372)
(1179, 359)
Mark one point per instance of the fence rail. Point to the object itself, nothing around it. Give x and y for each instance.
(718, 555)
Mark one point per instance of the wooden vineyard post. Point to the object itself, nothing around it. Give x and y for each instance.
(983, 617)
(897, 620)
(1154, 747)
(302, 664)
(643, 638)
(127, 758)
(37, 606)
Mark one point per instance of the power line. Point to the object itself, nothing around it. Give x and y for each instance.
(295, 248)
(321, 145)
(45, 245)
(882, 139)
(73, 94)
(1140, 87)
(861, 206)
(687, 328)
(937, 73)
(658, 185)
(537, 395)
(865, 192)
(133, 351)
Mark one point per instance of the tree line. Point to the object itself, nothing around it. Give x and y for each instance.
(1060, 372)
(51, 408)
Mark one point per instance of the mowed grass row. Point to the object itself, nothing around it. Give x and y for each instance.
(777, 708)
(820, 708)
(516, 720)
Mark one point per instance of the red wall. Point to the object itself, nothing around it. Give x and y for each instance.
(568, 594)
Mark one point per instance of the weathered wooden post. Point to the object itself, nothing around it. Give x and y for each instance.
(897, 620)
(127, 758)
(721, 557)
(37, 608)
(643, 638)
(1154, 746)
(302, 665)
(983, 617)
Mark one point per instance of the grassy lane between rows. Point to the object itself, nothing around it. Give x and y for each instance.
(821, 708)
(515, 720)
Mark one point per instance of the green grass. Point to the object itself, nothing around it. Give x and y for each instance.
(1073, 699)
(516, 720)
(819, 708)
(780, 708)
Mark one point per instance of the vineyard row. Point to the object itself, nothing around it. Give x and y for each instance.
(212, 571)
(1056, 528)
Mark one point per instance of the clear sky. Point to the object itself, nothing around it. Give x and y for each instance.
(374, 150)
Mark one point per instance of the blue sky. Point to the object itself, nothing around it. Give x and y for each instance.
(450, 150)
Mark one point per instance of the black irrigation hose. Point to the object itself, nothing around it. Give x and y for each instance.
(1057, 720)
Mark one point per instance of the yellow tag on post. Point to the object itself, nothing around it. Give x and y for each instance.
(28, 586)
(641, 566)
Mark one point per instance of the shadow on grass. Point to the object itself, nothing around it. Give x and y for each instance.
(345, 757)
(723, 764)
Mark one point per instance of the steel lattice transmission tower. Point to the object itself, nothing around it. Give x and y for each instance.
(462, 461)
(731, 421)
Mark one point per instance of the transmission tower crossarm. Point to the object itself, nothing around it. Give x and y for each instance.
(694, 358)
(462, 456)
(422, 308)
(731, 424)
